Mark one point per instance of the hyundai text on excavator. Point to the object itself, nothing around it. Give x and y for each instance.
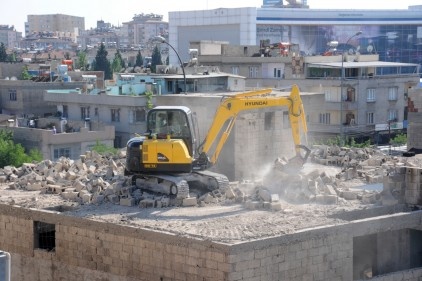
(168, 158)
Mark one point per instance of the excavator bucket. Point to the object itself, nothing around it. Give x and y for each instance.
(293, 165)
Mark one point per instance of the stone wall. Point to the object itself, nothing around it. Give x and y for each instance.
(90, 250)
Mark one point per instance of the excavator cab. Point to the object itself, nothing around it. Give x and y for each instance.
(172, 122)
(169, 145)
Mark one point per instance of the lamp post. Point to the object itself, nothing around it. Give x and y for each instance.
(342, 86)
(161, 39)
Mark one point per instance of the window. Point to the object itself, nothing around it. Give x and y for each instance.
(253, 72)
(84, 112)
(333, 97)
(137, 115)
(392, 114)
(269, 121)
(370, 95)
(61, 152)
(325, 118)
(115, 115)
(277, 72)
(235, 70)
(370, 118)
(12, 95)
(45, 236)
(96, 111)
(392, 93)
(65, 111)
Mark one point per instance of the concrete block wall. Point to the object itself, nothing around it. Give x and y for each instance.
(313, 258)
(92, 250)
(88, 250)
(324, 253)
(414, 133)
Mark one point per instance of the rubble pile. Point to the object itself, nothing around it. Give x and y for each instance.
(367, 163)
(96, 179)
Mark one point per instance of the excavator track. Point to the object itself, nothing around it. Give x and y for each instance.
(180, 186)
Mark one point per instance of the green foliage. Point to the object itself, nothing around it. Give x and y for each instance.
(117, 64)
(122, 61)
(399, 139)
(155, 59)
(82, 61)
(35, 155)
(12, 154)
(3, 54)
(25, 74)
(149, 94)
(139, 60)
(349, 142)
(353, 143)
(11, 57)
(104, 150)
(102, 63)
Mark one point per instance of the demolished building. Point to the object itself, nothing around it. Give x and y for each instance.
(82, 220)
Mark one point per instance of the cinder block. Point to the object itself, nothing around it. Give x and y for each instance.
(129, 201)
(190, 201)
(55, 188)
(253, 205)
(326, 199)
(276, 206)
(148, 203)
(349, 195)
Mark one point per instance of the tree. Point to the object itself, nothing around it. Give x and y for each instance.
(122, 61)
(102, 63)
(25, 74)
(3, 54)
(14, 154)
(11, 57)
(155, 59)
(82, 61)
(139, 60)
(116, 66)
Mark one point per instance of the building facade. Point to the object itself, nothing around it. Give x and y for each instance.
(9, 36)
(395, 39)
(143, 28)
(62, 25)
(367, 101)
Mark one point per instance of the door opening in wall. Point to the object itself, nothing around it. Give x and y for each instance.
(386, 252)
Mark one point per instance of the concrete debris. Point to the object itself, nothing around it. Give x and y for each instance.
(96, 179)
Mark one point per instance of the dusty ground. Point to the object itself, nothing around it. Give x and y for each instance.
(225, 222)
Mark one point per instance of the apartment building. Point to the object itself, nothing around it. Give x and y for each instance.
(368, 100)
(60, 25)
(143, 27)
(9, 36)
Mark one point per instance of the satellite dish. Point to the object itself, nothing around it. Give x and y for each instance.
(370, 48)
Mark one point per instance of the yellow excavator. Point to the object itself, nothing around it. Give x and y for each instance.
(168, 158)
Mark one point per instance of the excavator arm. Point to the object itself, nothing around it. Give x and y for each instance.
(231, 106)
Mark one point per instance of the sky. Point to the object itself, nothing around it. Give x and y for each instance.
(116, 12)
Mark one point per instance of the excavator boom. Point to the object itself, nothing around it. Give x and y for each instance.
(231, 106)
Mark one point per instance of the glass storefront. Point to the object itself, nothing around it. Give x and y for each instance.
(393, 43)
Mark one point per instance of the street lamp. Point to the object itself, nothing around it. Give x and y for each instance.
(161, 39)
(342, 86)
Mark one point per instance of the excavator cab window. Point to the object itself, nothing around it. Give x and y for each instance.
(173, 122)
